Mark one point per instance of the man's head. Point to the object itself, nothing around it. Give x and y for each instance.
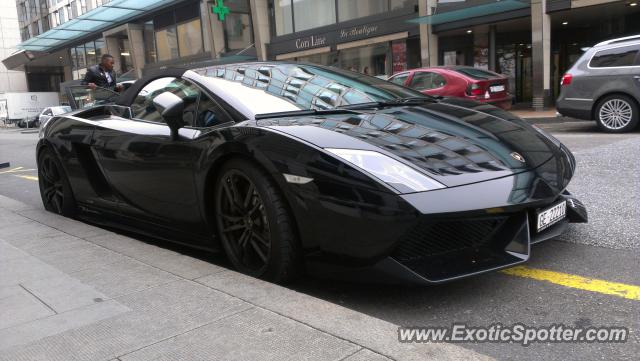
(106, 61)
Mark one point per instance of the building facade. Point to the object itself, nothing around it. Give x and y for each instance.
(10, 80)
(533, 42)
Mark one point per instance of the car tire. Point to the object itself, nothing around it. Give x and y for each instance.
(617, 114)
(253, 223)
(55, 189)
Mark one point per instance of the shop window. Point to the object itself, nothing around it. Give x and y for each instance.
(238, 30)
(167, 44)
(190, 38)
(149, 43)
(284, 17)
(101, 48)
(403, 4)
(81, 59)
(370, 60)
(90, 51)
(309, 14)
(354, 9)
(178, 33)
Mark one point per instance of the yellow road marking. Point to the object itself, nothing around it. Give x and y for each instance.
(29, 177)
(578, 282)
(16, 170)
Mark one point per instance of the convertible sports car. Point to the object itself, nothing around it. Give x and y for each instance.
(290, 167)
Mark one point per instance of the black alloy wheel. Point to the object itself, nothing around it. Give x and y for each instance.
(253, 225)
(54, 187)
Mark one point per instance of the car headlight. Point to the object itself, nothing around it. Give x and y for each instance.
(397, 175)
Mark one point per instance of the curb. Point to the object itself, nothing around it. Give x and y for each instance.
(371, 338)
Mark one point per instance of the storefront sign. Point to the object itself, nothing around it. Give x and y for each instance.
(340, 33)
(358, 32)
(311, 42)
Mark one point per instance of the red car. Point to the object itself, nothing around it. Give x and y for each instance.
(458, 81)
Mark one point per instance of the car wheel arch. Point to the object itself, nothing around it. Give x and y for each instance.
(597, 102)
(212, 174)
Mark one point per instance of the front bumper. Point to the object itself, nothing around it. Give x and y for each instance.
(446, 249)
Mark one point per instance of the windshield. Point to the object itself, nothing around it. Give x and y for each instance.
(61, 110)
(81, 96)
(269, 88)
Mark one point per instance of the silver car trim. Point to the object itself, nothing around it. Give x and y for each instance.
(580, 99)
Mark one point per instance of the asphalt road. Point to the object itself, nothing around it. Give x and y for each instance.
(607, 248)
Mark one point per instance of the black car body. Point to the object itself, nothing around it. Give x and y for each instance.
(351, 176)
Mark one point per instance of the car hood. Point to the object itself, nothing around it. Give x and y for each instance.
(455, 141)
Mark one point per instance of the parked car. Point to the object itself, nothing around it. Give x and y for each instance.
(604, 85)
(28, 123)
(458, 81)
(290, 167)
(49, 112)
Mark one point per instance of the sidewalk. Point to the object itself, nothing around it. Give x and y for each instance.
(71, 291)
(532, 114)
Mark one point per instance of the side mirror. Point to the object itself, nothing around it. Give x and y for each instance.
(170, 106)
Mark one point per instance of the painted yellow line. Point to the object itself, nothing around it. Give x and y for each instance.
(29, 177)
(578, 282)
(18, 169)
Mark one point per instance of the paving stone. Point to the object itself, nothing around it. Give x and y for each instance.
(10, 218)
(24, 269)
(8, 252)
(255, 334)
(81, 257)
(21, 234)
(64, 293)
(21, 307)
(67, 225)
(367, 355)
(26, 333)
(43, 246)
(13, 205)
(168, 310)
(173, 262)
(120, 278)
(375, 334)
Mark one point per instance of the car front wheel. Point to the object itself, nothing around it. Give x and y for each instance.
(55, 189)
(253, 223)
(617, 114)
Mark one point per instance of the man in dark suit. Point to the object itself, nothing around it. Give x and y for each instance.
(102, 75)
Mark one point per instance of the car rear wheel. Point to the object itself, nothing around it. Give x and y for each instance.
(254, 226)
(617, 114)
(55, 189)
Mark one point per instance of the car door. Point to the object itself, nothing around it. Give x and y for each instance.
(400, 79)
(152, 173)
(81, 96)
(428, 82)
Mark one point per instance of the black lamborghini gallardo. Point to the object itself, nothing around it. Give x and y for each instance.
(290, 167)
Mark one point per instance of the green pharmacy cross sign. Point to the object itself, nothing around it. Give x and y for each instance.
(220, 9)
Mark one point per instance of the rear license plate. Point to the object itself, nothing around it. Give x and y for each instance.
(552, 215)
(497, 88)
